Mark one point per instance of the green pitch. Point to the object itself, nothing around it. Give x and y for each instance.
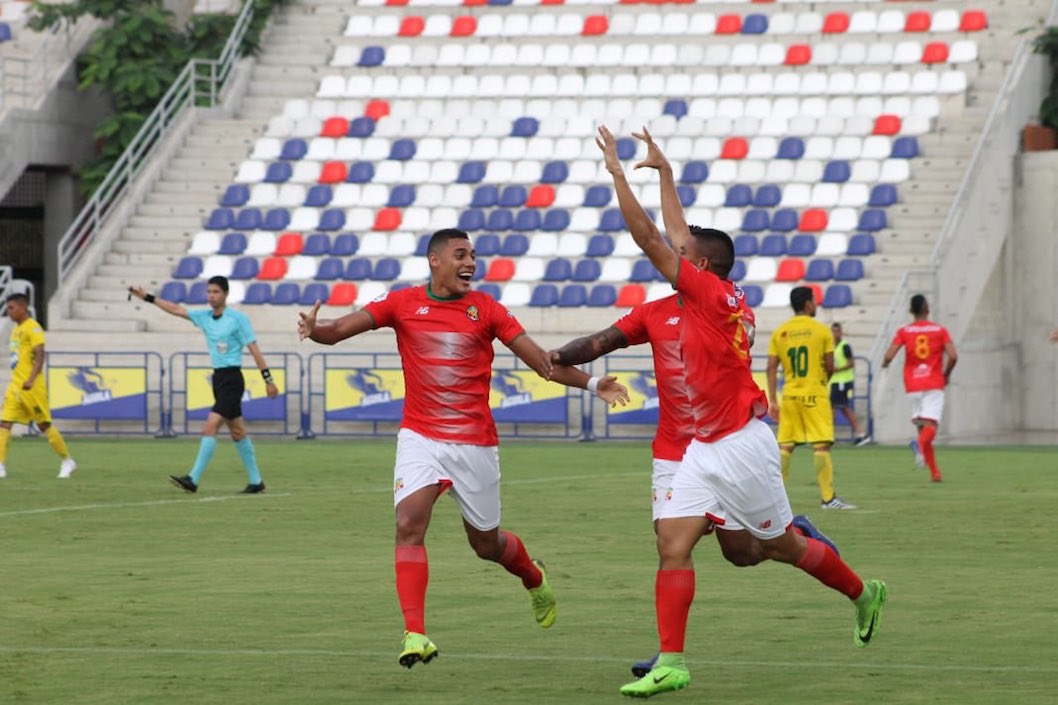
(116, 588)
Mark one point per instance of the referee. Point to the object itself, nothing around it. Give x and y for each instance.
(226, 331)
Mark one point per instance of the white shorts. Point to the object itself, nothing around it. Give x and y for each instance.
(472, 473)
(661, 483)
(736, 482)
(927, 405)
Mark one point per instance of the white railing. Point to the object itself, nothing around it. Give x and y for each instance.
(9, 285)
(25, 80)
(199, 84)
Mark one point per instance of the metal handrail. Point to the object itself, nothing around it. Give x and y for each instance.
(184, 92)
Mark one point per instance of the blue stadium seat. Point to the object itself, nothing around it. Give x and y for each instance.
(612, 220)
(188, 268)
(358, 269)
(819, 270)
(738, 196)
(767, 196)
(293, 149)
(485, 196)
(386, 269)
(332, 219)
(174, 291)
(676, 107)
(554, 173)
(626, 148)
(316, 245)
(773, 245)
(598, 196)
(837, 296)
(248, 219)
(905, 148)
(345, 245)
(196, 295)
(401, 285)
(738, 271)
(480, 268)
(754, 295)
(286, 294)
(278, 173)
(402, 150)
(500, 219)
(471, 173)
(402, 196)
(746, 245)
(232, 244)
(694, 173)
(487, 245)
(872, 220)
(245, 268)
(755, 24)
(500, 3)
(556, 220)
(525, 127)
(360, 173)
(791, 148)
(600, 246)
(558, 270)
(687, 195)
(513, 196)
(471, 220)
(802, 245)
(330, 269)
(275, 219)
(573, 295)
(423, 246)
(836, 172)
(587, 270)
(527, 220)
(319, 196)
(313, 293)
(514, 245)
(643, 271)
(235, 196)
(849, 270)
(220, 219)
(372, 56)
(544, 295)
(861, 245)
(882, 195)
(258, 293)
(362, 127)
(491, 289)
(784, 220)
(755, 220)
(602, 295)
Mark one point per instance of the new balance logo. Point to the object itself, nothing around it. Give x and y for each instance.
(765, 524)
(674, 321)
(423, 310)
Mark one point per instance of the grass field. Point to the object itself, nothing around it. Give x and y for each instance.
(116, 588)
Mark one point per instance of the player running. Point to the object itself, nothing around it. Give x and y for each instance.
(805, 347)
(925, 344)
(227, 332)
(447, 438)
(26, 399)
(731, 469)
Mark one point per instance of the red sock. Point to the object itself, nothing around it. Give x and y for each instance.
(824, 565)
(412, 575)
(517, 561)
(926, 434)
(673, 595)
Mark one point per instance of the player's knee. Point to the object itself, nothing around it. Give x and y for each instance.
(743, 556)
(673, 547)
(238, 434)
(411, 529)
(486, 548)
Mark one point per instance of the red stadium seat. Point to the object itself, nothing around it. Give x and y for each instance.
(817, 293)
(729, 24)
(396, 3)
(631, 295)
(333, 173)
(387, 219)
(734, 148)
(475, 3)
(813, 220)
(552, 2)
(917, 22)
(542, 196)
(629, 2)
(836, 23)
(887, 125)
(273, 268)
(335, 127)
(595, 25)
(343, 294)
(790, 270)
(798, 55)
(289, 244)
(464, 26)
(500, 270)
(935, 53)
(973, 21)
(376, 109)
(411, 26)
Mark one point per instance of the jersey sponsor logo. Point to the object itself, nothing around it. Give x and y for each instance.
(472, 312)
(674, 321)
(222, 346)
(423, 310)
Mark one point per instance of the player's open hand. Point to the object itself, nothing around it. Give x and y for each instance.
(308, 321)
(655, 158)
(612, 392)
(606, 142)
(138, 291)
(271, 390)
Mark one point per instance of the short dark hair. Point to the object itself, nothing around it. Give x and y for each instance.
(716, 245)
(440, 238)
(799, 296)
(918, 304)
(837, 325)
(220, 281)
(18, 296)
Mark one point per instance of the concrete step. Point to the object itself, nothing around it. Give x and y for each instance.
(191, 190)
(182, 209)
(126, 270)
(157, 246)
(141, 259)
(160, 234)
(97, 325)
(162, 221)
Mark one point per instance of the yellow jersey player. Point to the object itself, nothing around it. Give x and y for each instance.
(26, 399)
(805, 349)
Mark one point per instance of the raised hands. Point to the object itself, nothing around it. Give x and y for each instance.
(655, 158)
(308, 321)
(608, 144)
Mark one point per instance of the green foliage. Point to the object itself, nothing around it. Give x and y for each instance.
(136, 57)
(1047, 45)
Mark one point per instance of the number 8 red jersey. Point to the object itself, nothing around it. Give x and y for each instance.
(923, 343)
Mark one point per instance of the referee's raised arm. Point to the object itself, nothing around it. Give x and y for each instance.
(168, 306)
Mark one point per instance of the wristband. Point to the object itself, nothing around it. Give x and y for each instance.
(149, 298)
(593, 385)
(267, 374)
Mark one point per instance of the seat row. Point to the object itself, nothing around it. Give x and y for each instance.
(506, 3)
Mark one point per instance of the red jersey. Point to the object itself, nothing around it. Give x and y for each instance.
(715, 353)
(446, 352)
(923, 343)
(658, 323)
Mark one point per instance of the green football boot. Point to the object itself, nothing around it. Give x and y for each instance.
(869, 616)
(661, 679)
(542, 599)
(417, 648)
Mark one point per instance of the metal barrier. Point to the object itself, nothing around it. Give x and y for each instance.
(117, 393)
(191, 393)
(362, 394)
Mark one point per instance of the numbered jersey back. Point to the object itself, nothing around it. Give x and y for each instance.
(801, 344)
(923, 343)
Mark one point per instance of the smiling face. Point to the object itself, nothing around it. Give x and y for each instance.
(452, 267)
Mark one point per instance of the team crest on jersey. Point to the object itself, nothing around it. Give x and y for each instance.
(472, 312)
(739, 294)
(668, 495)
(398, 485)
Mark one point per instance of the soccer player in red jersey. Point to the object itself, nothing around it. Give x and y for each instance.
(731, 467)
(447, 438)
(925, 345)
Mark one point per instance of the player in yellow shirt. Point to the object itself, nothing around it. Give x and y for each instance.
(26, 399)
(805, 348)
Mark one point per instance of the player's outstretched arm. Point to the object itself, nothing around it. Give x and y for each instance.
(671, 208)
(773, 384)
(331, 331)
(643, 230)
(590, 347)
(270, 387)
(953, 357)
(168, 306)
(890, 354)
(606, 388)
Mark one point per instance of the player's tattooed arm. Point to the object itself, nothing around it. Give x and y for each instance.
(331, 331)
(590, 347)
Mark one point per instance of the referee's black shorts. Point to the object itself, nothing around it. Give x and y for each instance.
(228, 388)
(841, 394)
